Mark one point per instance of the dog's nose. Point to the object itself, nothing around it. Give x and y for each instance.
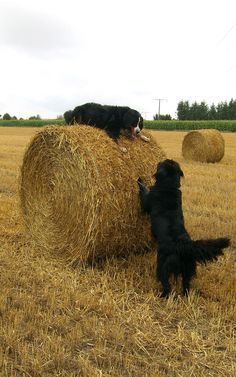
(137, 130)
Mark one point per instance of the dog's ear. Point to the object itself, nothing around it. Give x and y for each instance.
(160, 173)
(181, 173)
(178, 171)
(141, 122)
(177, 168)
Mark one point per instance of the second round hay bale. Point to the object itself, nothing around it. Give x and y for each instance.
(204, 146)
(79, 192)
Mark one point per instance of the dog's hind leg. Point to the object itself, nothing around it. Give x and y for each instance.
(166, 266)
(187, 274)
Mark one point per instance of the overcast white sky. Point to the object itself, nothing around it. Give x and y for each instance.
(56, 55)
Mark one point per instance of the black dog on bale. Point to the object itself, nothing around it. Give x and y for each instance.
(177, 254)
(113, 119)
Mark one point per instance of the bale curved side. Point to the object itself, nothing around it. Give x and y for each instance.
(79, 192)
(203, 145)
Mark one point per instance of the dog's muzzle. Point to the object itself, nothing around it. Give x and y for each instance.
(137, 130)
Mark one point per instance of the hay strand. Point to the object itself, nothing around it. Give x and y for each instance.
(79, 192)
(204, 146)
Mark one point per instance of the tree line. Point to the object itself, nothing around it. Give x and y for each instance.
(201, 111)
(7, 116)
(185, 111)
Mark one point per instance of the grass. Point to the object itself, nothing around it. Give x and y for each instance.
(108, 320)
(30, 122)
(171, 125)
(167, 125)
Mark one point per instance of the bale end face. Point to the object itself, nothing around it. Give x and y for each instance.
(79, 193)
(203, 146)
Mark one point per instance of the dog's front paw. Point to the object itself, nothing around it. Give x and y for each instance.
(140, 182)
(165, 294)
(145, 138)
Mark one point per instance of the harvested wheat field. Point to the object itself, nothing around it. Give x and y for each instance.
(106, 319)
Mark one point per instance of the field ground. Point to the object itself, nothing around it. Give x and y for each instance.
(109, 321)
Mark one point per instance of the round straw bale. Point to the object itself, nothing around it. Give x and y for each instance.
(79, 192)
(203, 145)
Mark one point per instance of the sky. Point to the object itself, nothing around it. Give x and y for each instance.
(56, 55)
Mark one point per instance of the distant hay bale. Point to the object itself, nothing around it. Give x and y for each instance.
(204, 146)
(79, 192)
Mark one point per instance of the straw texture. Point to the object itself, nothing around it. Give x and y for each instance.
(204, 146)
(79, 192)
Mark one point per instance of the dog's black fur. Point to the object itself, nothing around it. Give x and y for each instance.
(177, 253)
(113, 119)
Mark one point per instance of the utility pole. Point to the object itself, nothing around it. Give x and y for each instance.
(159, 104)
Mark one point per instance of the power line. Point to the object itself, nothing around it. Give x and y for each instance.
(226, 34)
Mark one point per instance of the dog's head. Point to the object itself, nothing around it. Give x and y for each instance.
(168, 173)
(133, 122)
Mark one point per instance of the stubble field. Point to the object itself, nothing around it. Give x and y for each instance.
(108, 320)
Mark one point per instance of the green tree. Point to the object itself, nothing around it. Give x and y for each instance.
(203, 111)
(37, 117)
(183, 110)
(232, 109)
(222, 110)
(162, 117)
(6, 117)
(212, 114)
(194, 111)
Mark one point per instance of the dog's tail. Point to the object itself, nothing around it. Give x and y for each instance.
(204, 251)
(68, 116)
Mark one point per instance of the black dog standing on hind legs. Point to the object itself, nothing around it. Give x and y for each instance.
(177, 253)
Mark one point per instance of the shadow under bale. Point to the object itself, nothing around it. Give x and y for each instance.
(79, 194)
